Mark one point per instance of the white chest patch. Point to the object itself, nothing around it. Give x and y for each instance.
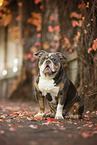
(46, 85)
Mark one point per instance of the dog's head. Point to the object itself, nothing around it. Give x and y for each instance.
(49, 63)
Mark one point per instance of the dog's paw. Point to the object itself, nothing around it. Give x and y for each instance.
(40, 115)
(59, 117)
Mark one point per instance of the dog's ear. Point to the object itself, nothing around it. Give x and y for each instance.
(39, 53)
(61, 56)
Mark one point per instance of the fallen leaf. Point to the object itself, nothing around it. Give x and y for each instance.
(2, 131)
(8, 114)
(12, 129)
(78, 127)
(20, 126)
(69, 135)
(62, 128)
(1, 120)
(13, 124)
(2, 116)
(8, 120)
(50, 119)
(95, 127)
(33, 126)
(46, 123)
(87, 134)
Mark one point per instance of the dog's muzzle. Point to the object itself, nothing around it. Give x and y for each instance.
(48, 67)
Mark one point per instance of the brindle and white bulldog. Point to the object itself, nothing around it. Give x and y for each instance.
(53, 83)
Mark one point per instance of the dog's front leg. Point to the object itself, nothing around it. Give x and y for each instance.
(41, 106)
(59, 112)
(61, 102)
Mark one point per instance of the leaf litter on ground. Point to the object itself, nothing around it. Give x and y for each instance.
(17, 113)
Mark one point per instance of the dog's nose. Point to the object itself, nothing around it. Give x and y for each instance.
(48, 62)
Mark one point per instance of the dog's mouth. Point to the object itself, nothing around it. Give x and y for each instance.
(48, 70)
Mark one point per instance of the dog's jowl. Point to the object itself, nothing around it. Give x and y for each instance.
(53, 84)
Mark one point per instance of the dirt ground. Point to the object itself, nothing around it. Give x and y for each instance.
(18, 127)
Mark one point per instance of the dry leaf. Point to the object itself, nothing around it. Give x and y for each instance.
(12, 129)
(33, 126)
(2, 131)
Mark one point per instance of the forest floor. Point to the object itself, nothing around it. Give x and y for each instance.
(18, 127)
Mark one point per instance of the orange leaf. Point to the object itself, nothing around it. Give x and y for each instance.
(20, 4)
(85, 32)
(87, 6)
(95, 45)
(75, 15)
(52, 17)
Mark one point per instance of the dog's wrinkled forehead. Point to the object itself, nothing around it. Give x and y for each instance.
(54, 57)
(49, 56)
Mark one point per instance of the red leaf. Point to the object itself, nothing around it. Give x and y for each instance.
(8, 114)
(50, 119)
(38, 35)
(1, 120)
(95, 128)
(37, 1)
(57, 28)
(89, 50)
(29, 56)
(50, 29)
(39, 118)
(74, 23)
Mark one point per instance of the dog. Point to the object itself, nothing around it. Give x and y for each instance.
(53, 84)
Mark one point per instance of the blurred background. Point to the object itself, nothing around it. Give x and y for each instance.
(60, 25)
